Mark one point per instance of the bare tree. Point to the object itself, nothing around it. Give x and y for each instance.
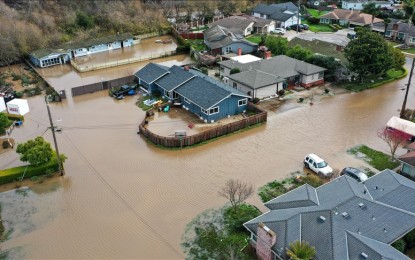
(236, 192)
(393, 138)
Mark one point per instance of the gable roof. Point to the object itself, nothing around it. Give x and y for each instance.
(176, 77)
(236, 24)
(281, 66)
(350, 218)
(151, 72)
(351, 16)
(97, 41)
(279, 12)
(408, 158)
(41, 53)
(219, 37)
(255, 78)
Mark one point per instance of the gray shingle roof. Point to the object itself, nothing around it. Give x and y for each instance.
(151, 72)
(176, 77)
(41, 53)
(276, 11)
(281, 66)
(255, 79)
(219, 37)
(301, 197)
(358, 244)
(236, 24)
(356, 217)
(202, 92)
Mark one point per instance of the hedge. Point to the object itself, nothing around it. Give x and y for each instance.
(14, 174)
(15, 117)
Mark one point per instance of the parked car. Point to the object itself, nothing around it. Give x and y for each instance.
(317, 165)
(301, 27)
(279, 31)
(354, 173)
(123, 90)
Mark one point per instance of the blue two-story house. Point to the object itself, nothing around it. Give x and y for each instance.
(205, 97)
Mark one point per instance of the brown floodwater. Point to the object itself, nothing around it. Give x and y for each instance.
(124, 198)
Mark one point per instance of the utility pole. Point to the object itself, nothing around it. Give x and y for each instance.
(298, 15)
(52, 127)
(407, 90)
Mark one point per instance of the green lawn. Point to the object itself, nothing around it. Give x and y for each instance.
(378, 160)
(316, 13)
(320, 28)
(254, 38)
(197, 45)
(391, 75)
(410, 50)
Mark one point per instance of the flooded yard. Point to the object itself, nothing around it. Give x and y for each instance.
(122, 197)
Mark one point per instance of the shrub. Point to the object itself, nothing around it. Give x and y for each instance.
(204, 70)
(300, 100)
(281, 92)
(15, 77)
(156, 93)
(217, 74)
(326, 90)
(255, 100)
(6, 144)
(312, 180)
(235, 70)
(183, 49)
(410, 239)
(272, 190)
(235, 219)
(399, 245)
(25, 80)
(19, 94)
(313, 20)
(15, 117)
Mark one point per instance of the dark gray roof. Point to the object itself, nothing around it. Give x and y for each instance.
(402, 27)
(255, 78)
(281, 66)
(276, 11)
(236, 24)
(347, 218)
(151, 72)
(176, 77)
(303, 196)
(358, 244)
(41, 53)
(202, 92)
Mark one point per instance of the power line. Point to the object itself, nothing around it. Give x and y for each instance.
(117, 195)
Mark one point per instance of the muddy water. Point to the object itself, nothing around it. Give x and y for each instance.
(124, 198)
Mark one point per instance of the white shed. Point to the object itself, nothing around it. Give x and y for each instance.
(17, 107)
(2, 104)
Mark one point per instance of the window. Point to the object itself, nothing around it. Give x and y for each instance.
(320, 75)
(242, 102)
(228, 49)
(204, 111)
(406, 169)
(213, 110)
(186, 100)
(235, 85)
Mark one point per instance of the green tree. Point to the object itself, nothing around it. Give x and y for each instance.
(386, 22)
(327, 62)
(277, 45)
(234, 220)
(398, 58)
(372, 9)
(36, 151)
(301, 251)
(368, 54)
(4, 122)
(299, 53)
(235, 70)
(84, 21)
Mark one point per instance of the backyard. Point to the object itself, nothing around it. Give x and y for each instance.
(316, 13)
(320, 28)
(256, 38)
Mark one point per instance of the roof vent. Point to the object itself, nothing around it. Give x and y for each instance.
(384, 230)
(345, 215)
(362, 205)
(373, 217)
(322, 219)
(364, 256)
(364, 192)
(376, 187)
(358, 231)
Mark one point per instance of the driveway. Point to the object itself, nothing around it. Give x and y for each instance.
(339, 37)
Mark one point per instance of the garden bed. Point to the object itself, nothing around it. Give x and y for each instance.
(376, 159)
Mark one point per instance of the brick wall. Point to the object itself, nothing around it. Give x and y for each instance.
(266, 238)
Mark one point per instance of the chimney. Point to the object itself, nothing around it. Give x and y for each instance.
(239, 51)
(186, 68)
(268, 55)
(266, 238)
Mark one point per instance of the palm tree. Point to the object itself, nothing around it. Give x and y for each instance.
(301, 251)
(372, 9)
(409, 7)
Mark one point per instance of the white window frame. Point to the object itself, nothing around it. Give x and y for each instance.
(228, 49)
(213, 108)
(321, 75)
(204, 111)
(187, 101)
(242, 102)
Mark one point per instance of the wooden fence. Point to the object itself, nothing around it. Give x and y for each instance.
(171, 142)
(103, 65)
(90, 88)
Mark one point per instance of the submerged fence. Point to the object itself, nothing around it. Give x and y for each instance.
(182, 141)
(109, 64)
(90, 88)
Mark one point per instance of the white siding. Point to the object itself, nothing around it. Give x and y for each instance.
(307, 79)
(289, 22)
(267, 91)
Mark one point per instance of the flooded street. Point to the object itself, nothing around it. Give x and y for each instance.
(124, 198)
